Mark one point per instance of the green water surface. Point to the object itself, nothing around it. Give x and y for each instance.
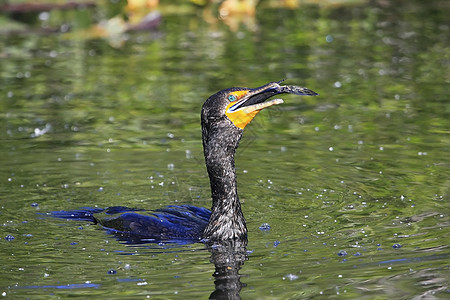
(363, 168)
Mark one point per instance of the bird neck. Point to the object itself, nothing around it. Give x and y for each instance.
(227, 221)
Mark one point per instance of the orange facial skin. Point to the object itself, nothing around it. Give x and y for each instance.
(242, 116)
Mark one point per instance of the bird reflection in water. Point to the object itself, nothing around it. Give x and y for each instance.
(223, 228)
(228, 259)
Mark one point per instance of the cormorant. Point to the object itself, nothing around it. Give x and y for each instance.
(223, 118)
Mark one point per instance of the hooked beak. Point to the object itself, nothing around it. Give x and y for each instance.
(251, 101)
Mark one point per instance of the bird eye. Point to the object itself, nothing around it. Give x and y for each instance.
(231, 98)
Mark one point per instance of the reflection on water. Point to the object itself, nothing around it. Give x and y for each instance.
(354, 184)
(228, 260)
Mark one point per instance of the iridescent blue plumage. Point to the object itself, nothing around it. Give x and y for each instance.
(175, 223)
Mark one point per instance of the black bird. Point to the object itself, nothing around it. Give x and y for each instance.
(224, 116)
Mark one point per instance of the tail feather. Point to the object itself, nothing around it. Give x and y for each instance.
(82, 214)
(175, 223)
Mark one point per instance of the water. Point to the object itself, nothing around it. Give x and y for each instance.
(363, 169)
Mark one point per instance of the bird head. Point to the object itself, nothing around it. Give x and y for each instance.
(240, 105)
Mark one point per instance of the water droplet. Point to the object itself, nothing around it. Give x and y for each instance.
(264, 227)
(291, 277)
(9, 237)
(112, 272)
